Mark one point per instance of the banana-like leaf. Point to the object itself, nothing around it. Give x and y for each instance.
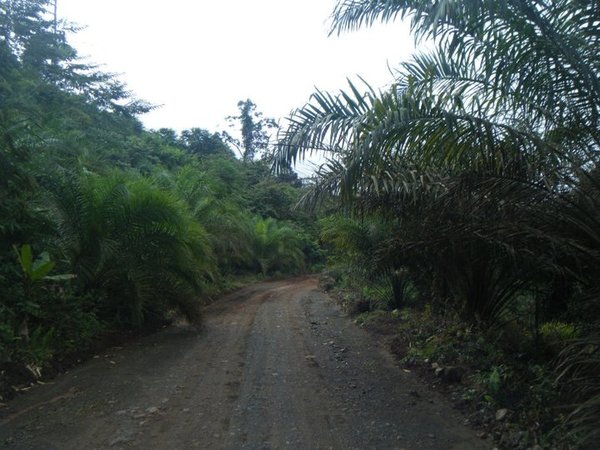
(25, 257)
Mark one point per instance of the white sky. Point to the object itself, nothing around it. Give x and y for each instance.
(198, 58)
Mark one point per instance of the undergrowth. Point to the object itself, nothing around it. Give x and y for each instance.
(502, 378)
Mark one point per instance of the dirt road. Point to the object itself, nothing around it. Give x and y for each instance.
(276, 365)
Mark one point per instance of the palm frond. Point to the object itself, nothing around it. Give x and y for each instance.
(135, 242)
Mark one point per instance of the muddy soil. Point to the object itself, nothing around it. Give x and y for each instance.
(275, 365)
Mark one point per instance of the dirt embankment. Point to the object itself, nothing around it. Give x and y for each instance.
(276, 365)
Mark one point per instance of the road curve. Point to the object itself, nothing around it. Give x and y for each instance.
(276, 365)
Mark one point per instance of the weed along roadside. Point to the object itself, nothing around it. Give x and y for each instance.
(504, 396)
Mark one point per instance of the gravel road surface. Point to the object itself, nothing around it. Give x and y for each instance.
(275, 366)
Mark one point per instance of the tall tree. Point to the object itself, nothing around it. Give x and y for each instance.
(200, 142)
(254, 128)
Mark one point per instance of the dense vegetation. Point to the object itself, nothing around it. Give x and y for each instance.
(472, 189)
(461, 205)
(105, 226)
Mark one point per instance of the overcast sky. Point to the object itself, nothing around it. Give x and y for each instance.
(199, 58)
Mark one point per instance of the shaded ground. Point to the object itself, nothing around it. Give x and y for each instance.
(276, 365)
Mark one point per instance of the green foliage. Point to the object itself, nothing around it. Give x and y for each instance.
(132, 242)
(272, 198)
(362, 248)
(556, 335)
(277, 247)
(142, 224)
(33, 271)
(481, 160)
(377, 294)
(215, 202)
(475, 164)
(39, 269)
(41, 318)
(492, 382)
(254, 131)
(199, 142)
(579, 380)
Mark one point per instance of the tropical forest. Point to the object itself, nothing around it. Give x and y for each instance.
(452, 219)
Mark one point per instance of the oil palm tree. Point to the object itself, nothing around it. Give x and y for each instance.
(135, 245)
(508, 83)
(277, 246)
(507, 103)
(228, 225)
(486, 147)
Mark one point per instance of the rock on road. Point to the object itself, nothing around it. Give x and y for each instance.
(276, 365)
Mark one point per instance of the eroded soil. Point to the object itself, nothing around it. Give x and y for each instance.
(276, 365)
